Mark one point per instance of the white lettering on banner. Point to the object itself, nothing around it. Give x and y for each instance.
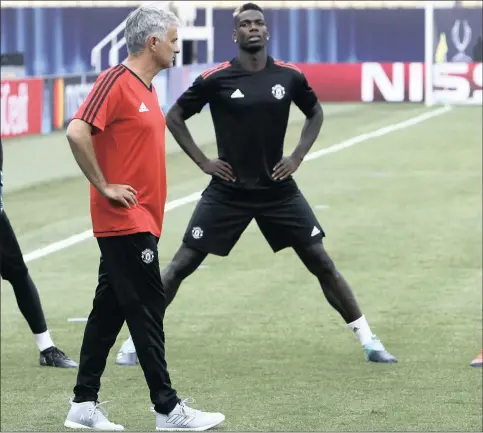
(374, 75)
(75, 95)
(416, 82)
(14, 109)
(452, 81)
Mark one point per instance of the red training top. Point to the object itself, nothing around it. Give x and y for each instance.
(129, 143)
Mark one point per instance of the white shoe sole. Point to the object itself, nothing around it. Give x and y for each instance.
(76, 426)
(202, 428)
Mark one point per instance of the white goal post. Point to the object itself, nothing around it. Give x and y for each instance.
(451, 34)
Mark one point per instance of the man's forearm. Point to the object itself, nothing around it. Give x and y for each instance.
(177, 126)
(310, 132)
(80, 141)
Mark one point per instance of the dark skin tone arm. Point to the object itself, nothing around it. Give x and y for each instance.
(252, 57)
(286, 167)
(177, 126)
(312, 126)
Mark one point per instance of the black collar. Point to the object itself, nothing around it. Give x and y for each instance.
(236, 63)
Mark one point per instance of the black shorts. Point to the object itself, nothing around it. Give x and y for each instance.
(221, 216)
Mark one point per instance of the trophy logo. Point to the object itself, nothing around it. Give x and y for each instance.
(461, 44)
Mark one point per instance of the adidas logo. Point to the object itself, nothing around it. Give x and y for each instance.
(180, 419)
(143, 108)
(315, 231)
(237, 94)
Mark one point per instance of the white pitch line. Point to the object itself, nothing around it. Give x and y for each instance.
(378, 133)
(77, 319)
(174, 204)
(75, 239)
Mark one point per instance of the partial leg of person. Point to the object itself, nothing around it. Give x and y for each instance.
(14, 270)
(214, 228)
(103, 325)
(132, 265)
(292, 223)
(184, 263)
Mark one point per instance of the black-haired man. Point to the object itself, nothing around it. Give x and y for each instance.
(250, 99)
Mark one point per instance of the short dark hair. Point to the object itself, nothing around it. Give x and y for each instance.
(246, 7)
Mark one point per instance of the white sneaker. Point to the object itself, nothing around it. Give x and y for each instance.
(184, 418)
(89, 415)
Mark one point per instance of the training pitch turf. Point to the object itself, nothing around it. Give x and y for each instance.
(251, 335)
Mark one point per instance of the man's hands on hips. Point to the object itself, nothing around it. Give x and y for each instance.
(219, 168)
(286, 167)
(125, 195)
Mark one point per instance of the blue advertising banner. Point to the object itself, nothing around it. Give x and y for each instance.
(456, 32)
(58, 41)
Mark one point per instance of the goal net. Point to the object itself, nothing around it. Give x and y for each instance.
(453, 68)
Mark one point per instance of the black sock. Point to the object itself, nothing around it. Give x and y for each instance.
(28, 302)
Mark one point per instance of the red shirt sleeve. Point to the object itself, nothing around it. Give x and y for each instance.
(98, 107)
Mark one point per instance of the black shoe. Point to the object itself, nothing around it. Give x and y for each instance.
(54, 357)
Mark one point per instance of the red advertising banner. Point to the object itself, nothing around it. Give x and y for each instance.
(392, 82)
(23, 111)
(21, 107)
(334, 82)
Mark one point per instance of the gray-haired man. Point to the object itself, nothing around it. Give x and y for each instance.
(118, 140)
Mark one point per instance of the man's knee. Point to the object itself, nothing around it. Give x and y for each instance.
(184, 263)
(316, 260)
